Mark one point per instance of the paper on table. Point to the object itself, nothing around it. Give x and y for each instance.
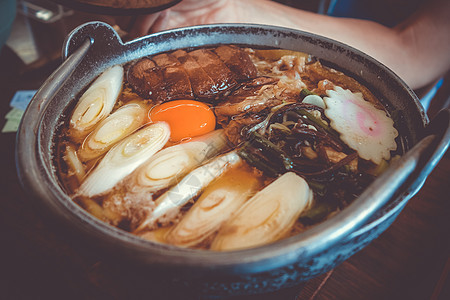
(15, 114)
(10, 126)
(18, 103)
(21, 99)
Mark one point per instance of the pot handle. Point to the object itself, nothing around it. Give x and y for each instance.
(424, 156)
(402, 179)
(102, 37)
(431, 155)
(427, 153)
(407, 175)
(77, 44)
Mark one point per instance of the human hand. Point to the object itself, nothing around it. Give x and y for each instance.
(417, 51)
(185, 13)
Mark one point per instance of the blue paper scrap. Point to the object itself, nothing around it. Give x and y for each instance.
(21, 99)
(19, 103)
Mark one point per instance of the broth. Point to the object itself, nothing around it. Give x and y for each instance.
(222, 148)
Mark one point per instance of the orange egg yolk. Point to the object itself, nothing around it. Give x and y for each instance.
(186, 118)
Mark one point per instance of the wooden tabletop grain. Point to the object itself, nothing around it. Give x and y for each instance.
(411, 260)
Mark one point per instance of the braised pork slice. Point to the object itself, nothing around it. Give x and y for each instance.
(253, 96)
(202, 74)
(316, 72)
(147, 79)
(236, 128)
(222, 76)
(129, 210)
(165, 60)
(202, 84)
(238, 61)
(176, 80)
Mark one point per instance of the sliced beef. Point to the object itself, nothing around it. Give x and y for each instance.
(201, 74)
(250, 89)
(316, 72)
(147, 79)
(222, 76)
(165, 60)
(238, 61)
(235, 130)
(251, 97)
(202, 84)
(176, 80)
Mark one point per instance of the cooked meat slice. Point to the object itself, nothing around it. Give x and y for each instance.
(238, 61)
(164, 60)
(128, 210)
(316, 72)
(147, 79)
(215, 68)
(250, 88)
(200, 73)
(253, 96)
(236, 128)
(202, 84)
(177, 83)
(251, 104)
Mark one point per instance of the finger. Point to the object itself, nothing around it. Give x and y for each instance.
(142, 25)
(161, 23)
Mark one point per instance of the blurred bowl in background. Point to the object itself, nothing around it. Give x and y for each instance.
(7, 16)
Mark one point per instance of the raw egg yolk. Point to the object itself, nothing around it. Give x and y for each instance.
(186, 118)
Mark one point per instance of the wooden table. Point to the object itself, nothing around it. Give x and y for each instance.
(411, 260)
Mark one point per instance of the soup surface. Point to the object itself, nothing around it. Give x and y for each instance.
(222, 148)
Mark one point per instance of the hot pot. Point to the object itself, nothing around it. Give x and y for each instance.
(93, 47)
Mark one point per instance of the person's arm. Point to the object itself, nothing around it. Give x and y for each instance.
(418, 50)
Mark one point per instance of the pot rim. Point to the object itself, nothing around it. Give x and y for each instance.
(34, 168)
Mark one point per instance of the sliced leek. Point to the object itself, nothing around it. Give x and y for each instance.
(169, 203)
(171, 163)
(267, 216)
(73, 162)
(124, 158)
(111, 130)
(96, 103)
(216, 204)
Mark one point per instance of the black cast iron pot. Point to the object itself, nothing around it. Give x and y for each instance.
(93, 47)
